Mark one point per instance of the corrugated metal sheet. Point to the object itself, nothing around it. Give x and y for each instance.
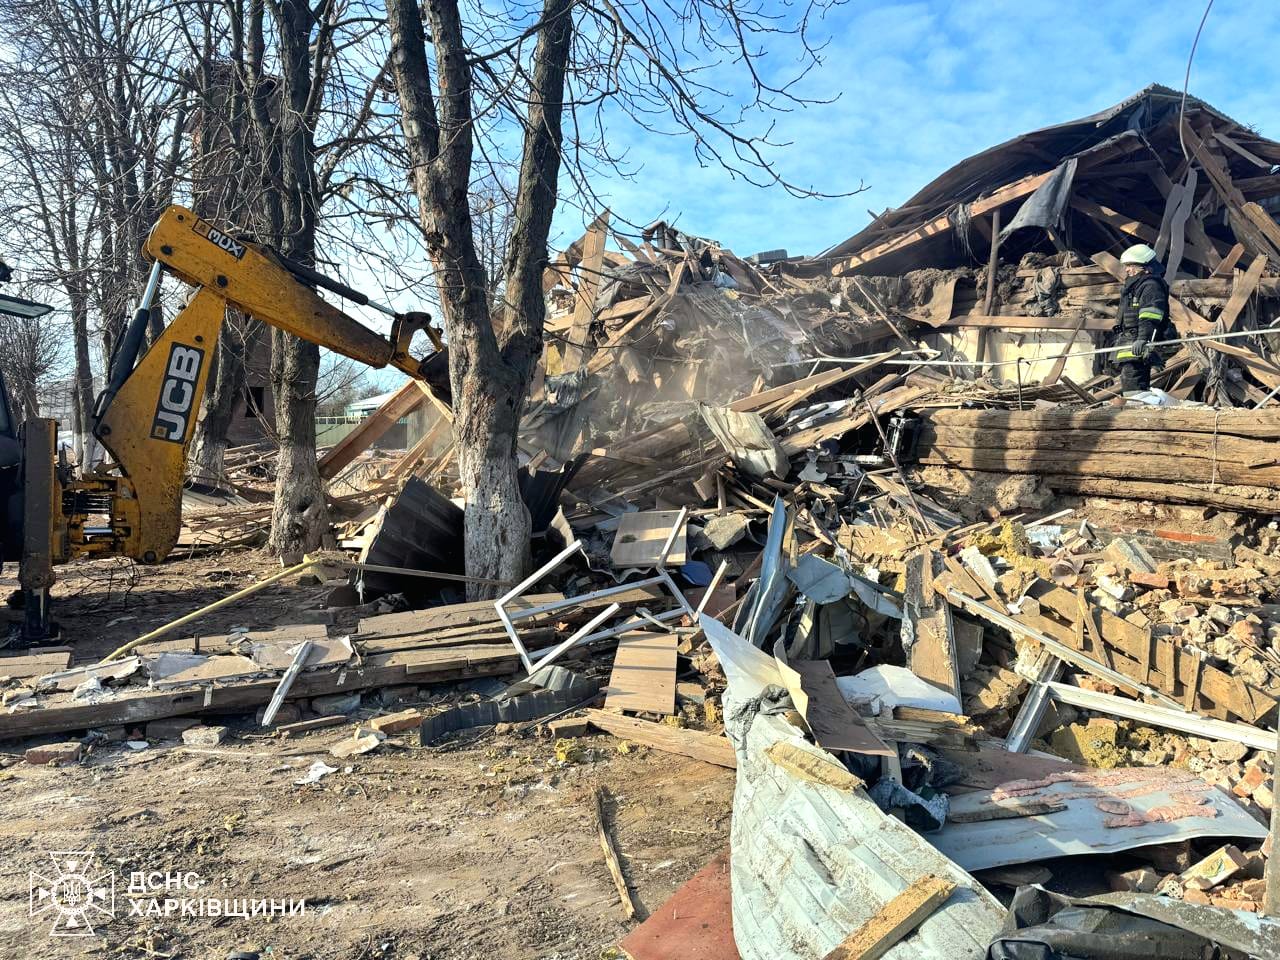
(810, 862)
(1080, 828)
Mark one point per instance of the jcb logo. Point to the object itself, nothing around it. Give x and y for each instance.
(177, 394)
(219, 239)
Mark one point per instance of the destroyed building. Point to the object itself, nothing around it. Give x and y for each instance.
(981, 636)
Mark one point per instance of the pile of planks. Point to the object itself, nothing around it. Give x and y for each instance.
(1186, 455)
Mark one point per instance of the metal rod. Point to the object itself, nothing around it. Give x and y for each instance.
(576, 638)
(306, 564)
(1060, 650)
(282, 688)
(554, 605)
(671, 537)
(715, 582)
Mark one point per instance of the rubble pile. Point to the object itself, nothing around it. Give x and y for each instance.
(876, 529)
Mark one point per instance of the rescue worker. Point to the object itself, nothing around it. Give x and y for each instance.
(1144, 312)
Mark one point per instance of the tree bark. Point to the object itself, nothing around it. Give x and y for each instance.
(229, 378)
(300, 518)
(489, 377)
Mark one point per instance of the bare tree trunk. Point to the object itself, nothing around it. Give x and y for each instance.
(85, 443)
(489, 377)
(300, 520)
(220, 406)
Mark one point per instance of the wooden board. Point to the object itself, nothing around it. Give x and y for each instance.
(928, 617)
(641, 537)
(695, 923)
(644, 674)
(894, 921)
(711, 748)
(34, 665)
(833, 723)
(380, 670)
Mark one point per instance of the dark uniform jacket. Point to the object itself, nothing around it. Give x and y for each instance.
(1144, 308)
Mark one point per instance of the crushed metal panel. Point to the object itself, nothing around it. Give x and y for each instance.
(748, 439)
(1081, 827)
(811, 863)
(1255, 935)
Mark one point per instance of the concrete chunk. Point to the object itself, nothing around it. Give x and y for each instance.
(54, 754)
(203, 736)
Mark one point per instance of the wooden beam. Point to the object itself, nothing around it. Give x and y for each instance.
(1061, 322)
(1229, 262)
(589, 274)
(1244, 288)
(979, 208)
(400, 404)
(687, 743)
(894, 922)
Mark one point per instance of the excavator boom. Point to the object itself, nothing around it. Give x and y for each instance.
(146, 415)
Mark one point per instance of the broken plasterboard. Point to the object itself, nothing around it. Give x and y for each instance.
(812, 862)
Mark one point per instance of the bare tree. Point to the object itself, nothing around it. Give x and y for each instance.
(31, 350)
(536, 70)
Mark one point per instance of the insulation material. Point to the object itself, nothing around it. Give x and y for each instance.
(813, 862)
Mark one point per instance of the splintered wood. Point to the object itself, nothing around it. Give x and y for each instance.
(895, 920)
(644, 674)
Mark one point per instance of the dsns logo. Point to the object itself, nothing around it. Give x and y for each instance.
(74, 893)
(219, 239)
(177, 394)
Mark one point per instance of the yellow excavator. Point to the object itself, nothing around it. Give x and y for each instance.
(146, 415)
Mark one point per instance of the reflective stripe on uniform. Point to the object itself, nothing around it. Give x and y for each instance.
(1150, 314)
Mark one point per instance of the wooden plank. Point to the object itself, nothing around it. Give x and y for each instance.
(577, 350)
(1243, 289)
(999, 322)
(932, 655)
(644, 674)
(1059, 365)
(833, 723)
(1135, 228)
(1224, 268)
(979, 208)
(1258, 424)
(611, 857)
(894, 922)
(426, 666)
(707, 747)
(641, 536)
(37, 665)
(400, 404)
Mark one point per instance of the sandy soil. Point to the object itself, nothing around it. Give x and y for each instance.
(483, 849)
(488, 850)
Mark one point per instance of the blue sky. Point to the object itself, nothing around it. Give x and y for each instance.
(923, 85)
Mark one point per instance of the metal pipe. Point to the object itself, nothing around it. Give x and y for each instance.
(306, 564)
(576, 638)
(555, 605)
(1059, 650)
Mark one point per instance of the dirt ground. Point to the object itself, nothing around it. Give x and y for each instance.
(484, 848)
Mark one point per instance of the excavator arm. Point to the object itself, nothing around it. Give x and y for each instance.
(146, 416)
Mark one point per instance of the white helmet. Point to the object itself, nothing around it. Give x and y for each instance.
(1139, 254)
